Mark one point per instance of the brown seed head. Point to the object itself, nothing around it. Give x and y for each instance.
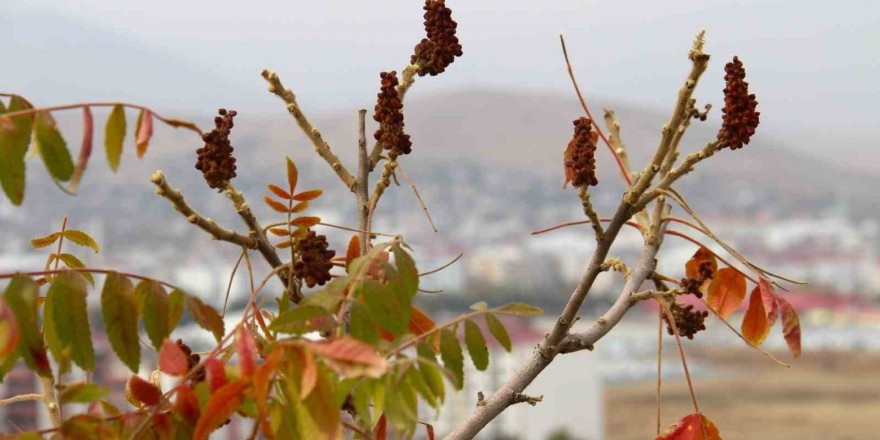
(740, 120)
(315, 260)
(389, 114)
(215, 158)
(579, 158)
(436, 52)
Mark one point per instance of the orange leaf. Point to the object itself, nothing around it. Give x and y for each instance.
(380, 432)
(187, 404)
(755, 326)
(309, 374)
(791, 326)
(305, 196)
(172, 360)
(143, 391)
(144, 132)
(262, 382)
(350, 357)
(276, 205)
(9, 334)
(305, 222)
(279, 192)
(692, 267)
(354, 250)
(692, 427)
(281, 232)
(219, 408)
(300, 207)
(161, 425)
(727, 291)
(768, 296)
(420, 323)
(283, 244)
(85, 151)
(246, 349)
(216, 373)
(292, 175)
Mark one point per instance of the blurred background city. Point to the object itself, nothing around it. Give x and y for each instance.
(487, 158)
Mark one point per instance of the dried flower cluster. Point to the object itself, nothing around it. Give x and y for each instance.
(389, 114)
(192, 359)
(692, 285)
(436, 52)
(215, 158)
(315, 260)
(579, 158)
(688, 321)
(740, 120)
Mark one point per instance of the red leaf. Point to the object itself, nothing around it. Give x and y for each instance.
(187, 404)
(262, 382)
(246, 349)
(420, 323)
(172, 360)
(755, 326)
(276, 205)
(279, 192)
(85, 151)
(309, 374)
(354, 250)
(144, 132)
(380, 432)
(429, 431)
(727, 291)
(305, 196)
(219, 408)
(768, 296)
(692, 427)
(9, 334)
(216, 373)
(143, 391)
(305, 222)
(161, 425)
(350, 357)
(791, 326)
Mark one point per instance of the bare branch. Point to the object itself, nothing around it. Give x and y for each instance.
(361, 188)
(321, 146)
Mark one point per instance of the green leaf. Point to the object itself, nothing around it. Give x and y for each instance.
(329, 297)
(416, 380)
(82, 393)
(363, 326)
(386, 307)
(7, 365)
(406, 267)
(75, 263)
(176, 301)
(70, 316)
(321, 403)
(156, 311)
(52, 148)
(303, 319)
(120, 313)
(518, 309)
(430, 370)
(114, 135)
(59, 351)
(22, 295)
(453, 358)
(82, 239)
(476, 345)
(498, 331)
(13, 148)
(479, 306)
(46, 241)
(206, 317)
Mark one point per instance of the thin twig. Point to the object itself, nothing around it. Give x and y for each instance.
(172, 122)
(231, 278)
(21, 398)
(584, 195)
(362, 187)
(624, 171)
(443, 266)
(687, 373)
(418, 196)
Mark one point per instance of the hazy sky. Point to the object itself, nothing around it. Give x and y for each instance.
(813, 64)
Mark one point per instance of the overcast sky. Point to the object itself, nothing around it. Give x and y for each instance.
(813, 64)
